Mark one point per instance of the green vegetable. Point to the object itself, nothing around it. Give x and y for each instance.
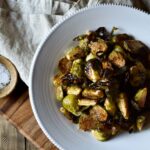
(90, 56)
(140, 97)
(75, 53)
(86, 102)
(74, 89)
(99, 47)
(110, 106)
(117, 59)
(70, 103)
(77, 68)
(140, 122)
(92, 93)
(123, 105)
(100, 135)
(93, 70)
(59, 93)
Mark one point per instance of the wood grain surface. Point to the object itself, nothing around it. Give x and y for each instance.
(17, 110)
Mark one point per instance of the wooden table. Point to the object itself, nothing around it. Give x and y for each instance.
(17, 110)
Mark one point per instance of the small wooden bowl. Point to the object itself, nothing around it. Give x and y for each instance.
(13, 75)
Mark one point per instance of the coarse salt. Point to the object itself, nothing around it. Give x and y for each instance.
(4, 76)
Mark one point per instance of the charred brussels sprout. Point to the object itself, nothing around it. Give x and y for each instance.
(77, 68)
(93, 70)
(137, 74)
(57, 80)
(140, 97)
(59, 93)
(70, 103)
(90, 56)
(133, 46)
(123, 105)
(74, 89)
(99, 113)
(92, 93)
(64, 65)
(86, 102)
(140, 122)
(98, 48)
(110, 106)
(120, 38)
(100, 135)
(117, 59)
(75, 53)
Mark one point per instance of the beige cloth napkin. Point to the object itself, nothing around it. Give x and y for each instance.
(24, 23)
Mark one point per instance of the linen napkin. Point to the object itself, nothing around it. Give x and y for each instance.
(24, 23)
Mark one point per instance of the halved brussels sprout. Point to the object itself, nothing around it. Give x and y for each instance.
(100, 135)
(86, 102)
(66, 113)
(70, 103)
(93, 70)
(120, 37)
(117, 59)
(99, 113)
(57, 80)
(84, 44)
(64, 65)
(110, 106)
(133, 46)
(140, 122)
(137, 74)
(77, 68)
(59, 93)
(90, 56)
(115, 130)
(75, 53)
(86, 122)
(140, 97)
(98, 48)
(92, 93)
(106, 65)
(74, 89)
(122, 102)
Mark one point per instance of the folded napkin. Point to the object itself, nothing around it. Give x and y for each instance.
(24, 23)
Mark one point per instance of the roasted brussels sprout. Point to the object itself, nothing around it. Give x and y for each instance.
(100, 135)
(140, 122)
(75, 53)
(64, 65)
(74, 89)
(59, 93)
(57, 80)
(84, 44)
(120, 38)
(77, 68)
(133, 46)
(86, 102)
(99, 113)
(93, 70)
(117, 59)
(70, 103)
(86, 122)
(99, 47)
(140, 97)
(90, 56)
(123, 105)
(110, 106)
(92, 93)
(137, 74)
(106, 65)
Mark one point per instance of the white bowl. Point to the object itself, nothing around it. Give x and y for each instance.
(57, 128)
